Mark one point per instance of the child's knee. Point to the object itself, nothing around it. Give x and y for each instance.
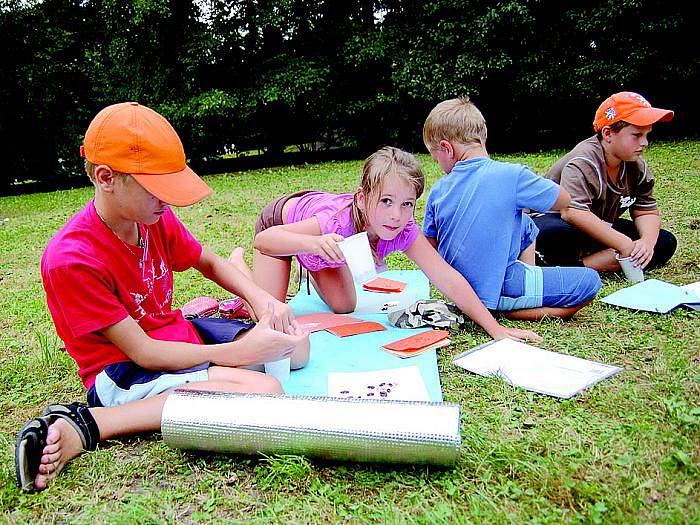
(342, 305)
(665, 247)
(268, 385)
(589, 285)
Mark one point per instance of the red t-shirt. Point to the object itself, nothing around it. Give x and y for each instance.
(93, 280)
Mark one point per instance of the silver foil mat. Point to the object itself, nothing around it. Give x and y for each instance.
(323, 427)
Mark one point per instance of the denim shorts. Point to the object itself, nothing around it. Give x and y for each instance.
(528, 286)
(528, 232)
(121, 383)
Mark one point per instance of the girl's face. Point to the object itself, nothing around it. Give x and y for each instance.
(388, 215)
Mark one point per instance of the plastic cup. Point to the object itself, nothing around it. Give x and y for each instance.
(279, 369)
(358, 255)
(633, 273)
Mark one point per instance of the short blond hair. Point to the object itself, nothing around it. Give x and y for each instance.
(457, 120)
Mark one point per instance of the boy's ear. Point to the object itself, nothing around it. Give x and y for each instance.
(104, 177)
(606, 132)
(447, 146)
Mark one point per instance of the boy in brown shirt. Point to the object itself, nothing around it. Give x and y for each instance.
(605, 175)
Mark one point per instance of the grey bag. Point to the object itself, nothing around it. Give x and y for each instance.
(430, 312)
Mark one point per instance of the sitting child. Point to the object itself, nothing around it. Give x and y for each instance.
(309, 224)
(108, 276)
(475, 219)
(606, 175)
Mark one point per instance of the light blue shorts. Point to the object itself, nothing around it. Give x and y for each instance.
(528, 232)
(528, 286)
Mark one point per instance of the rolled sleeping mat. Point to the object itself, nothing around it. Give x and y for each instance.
(378, 431)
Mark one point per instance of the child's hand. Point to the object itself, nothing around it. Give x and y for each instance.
(326, 246)
(516, 334)
(642, 252)
(281, 317)
(263, 344)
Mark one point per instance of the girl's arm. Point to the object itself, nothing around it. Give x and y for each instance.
(456, 288)
(299, 237)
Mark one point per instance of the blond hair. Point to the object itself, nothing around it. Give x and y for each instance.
(457, 120)
(379, 166)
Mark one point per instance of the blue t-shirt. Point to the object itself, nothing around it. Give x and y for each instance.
(476, 215)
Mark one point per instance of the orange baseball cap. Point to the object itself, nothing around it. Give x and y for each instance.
(630, 107)
(134, 139)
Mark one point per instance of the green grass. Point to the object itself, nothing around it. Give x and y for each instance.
(625, 451)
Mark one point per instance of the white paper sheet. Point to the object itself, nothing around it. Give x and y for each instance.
(534, 368)
(652, 296)
(695, 288)
(379, 303)
(405, 384)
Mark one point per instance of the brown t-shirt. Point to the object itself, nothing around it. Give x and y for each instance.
(583, 174)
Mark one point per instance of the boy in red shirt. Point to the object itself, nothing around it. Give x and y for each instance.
(108, 276)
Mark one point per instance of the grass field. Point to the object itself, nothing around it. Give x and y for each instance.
(626, 451)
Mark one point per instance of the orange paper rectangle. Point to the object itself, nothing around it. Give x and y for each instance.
(410, 353)
(381, 284)
(364, 327)
(418, 341)
(323, 320)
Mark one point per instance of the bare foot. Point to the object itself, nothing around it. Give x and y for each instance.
(236, 258)
(62, 444)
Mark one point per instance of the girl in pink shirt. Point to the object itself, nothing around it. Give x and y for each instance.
(310, 224)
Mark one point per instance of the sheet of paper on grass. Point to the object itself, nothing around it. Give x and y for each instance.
(404, 384)
(534, 368)
(695, 288)
(652, 296)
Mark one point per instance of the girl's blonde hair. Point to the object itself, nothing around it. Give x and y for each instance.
(379, 166)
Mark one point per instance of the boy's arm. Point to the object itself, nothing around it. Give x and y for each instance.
(563, 200)
(432, 241)
(259, 345)
(230, 278)
(456, 288)
(594, 227)
(648, 224)
(299, 237)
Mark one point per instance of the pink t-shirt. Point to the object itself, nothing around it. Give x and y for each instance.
(93, 280)
(334, 215)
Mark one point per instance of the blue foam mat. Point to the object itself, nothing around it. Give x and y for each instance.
(361, 353)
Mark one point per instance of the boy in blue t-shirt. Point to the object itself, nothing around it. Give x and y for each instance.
(474, 217)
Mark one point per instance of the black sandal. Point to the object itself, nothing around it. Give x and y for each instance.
(80, 418)
(29, 448)
(31, 439)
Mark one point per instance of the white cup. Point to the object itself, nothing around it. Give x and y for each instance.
(633, 273)
(358, 255)
(279, 369)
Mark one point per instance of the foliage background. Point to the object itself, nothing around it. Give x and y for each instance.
(268, 74)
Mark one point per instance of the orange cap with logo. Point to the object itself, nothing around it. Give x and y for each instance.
(134, 139)
(630, 107)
